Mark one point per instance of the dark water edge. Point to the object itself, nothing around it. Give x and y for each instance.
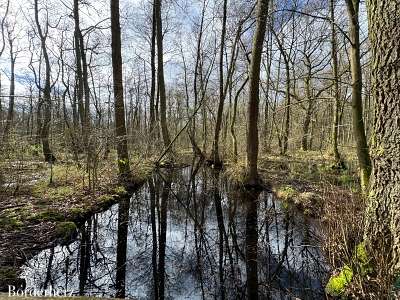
(183, 235)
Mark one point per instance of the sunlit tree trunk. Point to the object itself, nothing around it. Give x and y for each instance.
(382, 229)
(356, 101)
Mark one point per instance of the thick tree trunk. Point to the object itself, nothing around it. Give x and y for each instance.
(382, 218)
(119, 108)
(254, 91)
(356, 101)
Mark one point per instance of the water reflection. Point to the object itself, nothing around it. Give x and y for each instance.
(188, 235)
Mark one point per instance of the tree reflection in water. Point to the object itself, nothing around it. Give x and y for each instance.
(188, 234)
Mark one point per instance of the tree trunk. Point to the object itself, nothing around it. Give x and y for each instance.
(161, 81)
(10, 112)
(382, 218)
(120, 129)
(336, 95)
(254, 91)
(45, 130)
(233, 121)
(356, 101)
(215, 151)
(78, 63)
(287, 110)
(153, 125)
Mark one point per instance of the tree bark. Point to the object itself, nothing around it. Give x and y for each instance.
(254, 91)
(153, 125)
(78, 64)
(336, 95)
(119, 108)
(356, 101)
(161, 81)
(44, 134)
(382, 217)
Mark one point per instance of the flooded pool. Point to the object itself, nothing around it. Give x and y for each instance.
(183, 235)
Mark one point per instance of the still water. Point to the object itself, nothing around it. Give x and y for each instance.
(183, 235)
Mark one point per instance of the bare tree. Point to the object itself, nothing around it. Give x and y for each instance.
(45, 130)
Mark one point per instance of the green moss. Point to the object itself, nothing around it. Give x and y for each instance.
(362, 260)
(120, 190)
(105, 198)
(52, 193)
(286, 193)
(65, 229)
(12, 222)
(336, 285)
(47, 215)
(346, 180)
(76, 212)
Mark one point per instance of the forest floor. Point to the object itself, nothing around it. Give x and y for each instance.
(302, 179)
